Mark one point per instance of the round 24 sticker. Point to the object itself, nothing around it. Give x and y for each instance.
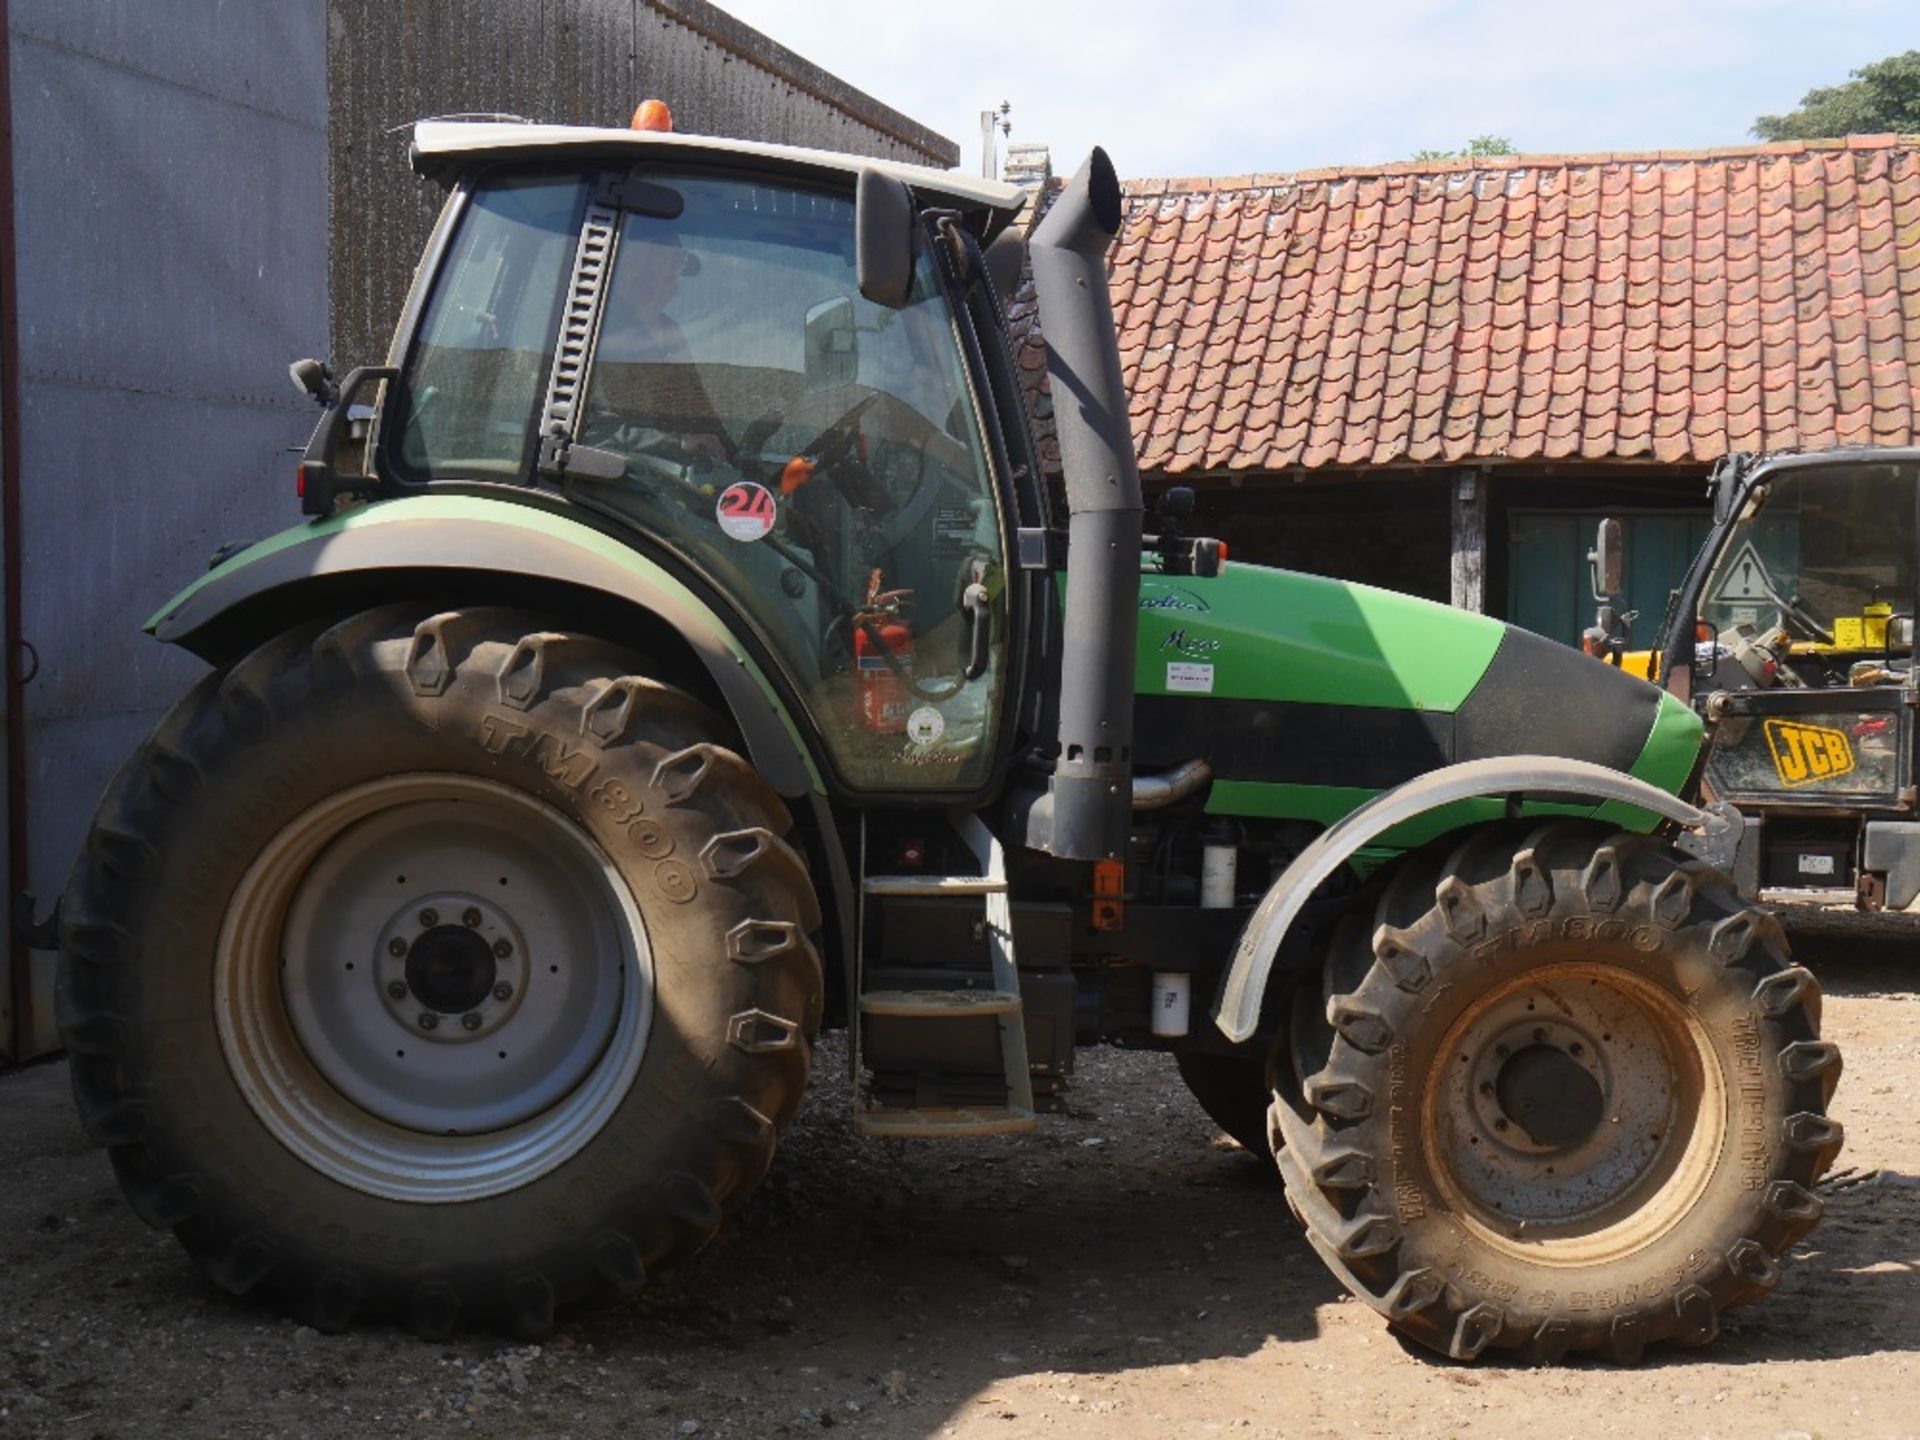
(746, 511)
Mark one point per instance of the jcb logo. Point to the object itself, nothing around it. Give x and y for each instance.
(1807, 754)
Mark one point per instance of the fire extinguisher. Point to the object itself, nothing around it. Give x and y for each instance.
(881, 635)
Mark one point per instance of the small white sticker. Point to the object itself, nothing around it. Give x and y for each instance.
(1188, 675)
(926, 725)
(1816, 864)
(746, 511)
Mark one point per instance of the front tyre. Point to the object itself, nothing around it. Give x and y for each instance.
(1566, 1093)
(441, 967)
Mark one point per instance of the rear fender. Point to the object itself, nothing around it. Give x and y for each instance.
(419, 544)
(1237, 1010)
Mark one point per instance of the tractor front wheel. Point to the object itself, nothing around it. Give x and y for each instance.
(441, 967)
(1564, 1093)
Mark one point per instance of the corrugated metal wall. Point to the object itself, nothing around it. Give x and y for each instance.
(172, 165)
(584, 62)
(169, 164)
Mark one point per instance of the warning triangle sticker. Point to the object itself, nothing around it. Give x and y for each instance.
(1745, 581)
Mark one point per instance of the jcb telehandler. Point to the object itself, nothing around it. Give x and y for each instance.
(1792, 635)
(684, 649)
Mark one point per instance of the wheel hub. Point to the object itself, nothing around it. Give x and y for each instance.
(451, 969)
(454, 966)
(1550, 1096)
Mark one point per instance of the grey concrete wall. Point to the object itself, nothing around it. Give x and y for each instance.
(581, 62)
(170, 182)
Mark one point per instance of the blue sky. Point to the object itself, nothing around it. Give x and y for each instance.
(1225, 88)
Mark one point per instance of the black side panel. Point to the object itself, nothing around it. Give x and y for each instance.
(1541, 698)
(1280, 742)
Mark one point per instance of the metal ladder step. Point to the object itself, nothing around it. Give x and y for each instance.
(1001, 1001)
(938, 1004)
(959, 1120)
(933, 885)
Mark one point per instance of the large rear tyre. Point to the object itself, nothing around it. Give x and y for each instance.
(440, 967)
(1235, 1093)
(1566, 1093)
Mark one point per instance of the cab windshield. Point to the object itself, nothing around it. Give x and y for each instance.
(816, 456)
(1825, 554)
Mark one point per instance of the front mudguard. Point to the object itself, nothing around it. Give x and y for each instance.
(1711, 833)
(372, 552)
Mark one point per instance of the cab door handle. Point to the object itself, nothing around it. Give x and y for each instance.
(979, 608)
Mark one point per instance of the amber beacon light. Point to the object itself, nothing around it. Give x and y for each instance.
(652, 115)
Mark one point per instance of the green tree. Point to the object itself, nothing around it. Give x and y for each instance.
(1478, 148)
(1881, 97)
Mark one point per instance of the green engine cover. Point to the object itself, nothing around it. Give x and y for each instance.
(1309, 696)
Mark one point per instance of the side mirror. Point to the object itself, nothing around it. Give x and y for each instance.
(883, 238)
(832, 344)
(1605, 561)
(312, 378)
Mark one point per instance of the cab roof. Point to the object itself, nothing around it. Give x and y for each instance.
(440, 146)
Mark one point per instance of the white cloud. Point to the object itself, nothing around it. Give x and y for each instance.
(1225, 88)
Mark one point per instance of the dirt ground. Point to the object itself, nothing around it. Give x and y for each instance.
(1122, 1273)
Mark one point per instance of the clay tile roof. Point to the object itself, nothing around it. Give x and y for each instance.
(1670, 306)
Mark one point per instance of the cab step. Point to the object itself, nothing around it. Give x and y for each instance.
(947, 885)
(931, 1122)
(938, 1004)
(928, 1102)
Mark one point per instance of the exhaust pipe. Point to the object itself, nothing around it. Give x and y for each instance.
(1084, 815)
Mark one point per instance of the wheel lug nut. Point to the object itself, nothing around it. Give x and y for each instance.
(471, 1020)
(1576, 1048)
(397, 989)
(502, 949)
(471, 918)
(1486, 1087)
(396, 947)
(428, 1020)
(1500, 1052)
(1540, 1037)
(503, 991)
(429, 919)
(1500, 1125)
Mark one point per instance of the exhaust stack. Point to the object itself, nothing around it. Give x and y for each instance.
(1089, 796)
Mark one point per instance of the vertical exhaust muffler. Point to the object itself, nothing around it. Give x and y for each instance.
(1089, 795)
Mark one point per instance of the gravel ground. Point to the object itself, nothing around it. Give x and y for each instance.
(1124, 1272)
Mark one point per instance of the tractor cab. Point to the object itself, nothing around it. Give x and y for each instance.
(685, 351)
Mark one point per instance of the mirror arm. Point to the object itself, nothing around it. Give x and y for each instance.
(320, 481)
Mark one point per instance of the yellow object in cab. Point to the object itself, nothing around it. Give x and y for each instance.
(1865, 631)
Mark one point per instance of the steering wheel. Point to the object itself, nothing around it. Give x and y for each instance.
(834, 452)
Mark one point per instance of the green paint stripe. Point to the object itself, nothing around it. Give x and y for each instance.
(1666, 760)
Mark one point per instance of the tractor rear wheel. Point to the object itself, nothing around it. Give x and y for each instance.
(440, 967)
(1235, 1093)
(1565, 1093)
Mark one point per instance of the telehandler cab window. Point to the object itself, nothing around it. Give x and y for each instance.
(1823, 558)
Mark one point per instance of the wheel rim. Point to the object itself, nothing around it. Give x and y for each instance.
(1575, 1114)
(432, 987)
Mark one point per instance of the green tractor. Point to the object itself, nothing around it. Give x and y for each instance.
(685, 651)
